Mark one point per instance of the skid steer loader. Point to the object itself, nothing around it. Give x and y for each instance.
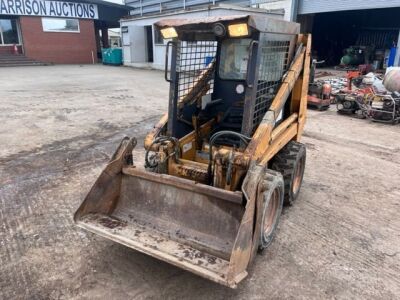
(223, 160)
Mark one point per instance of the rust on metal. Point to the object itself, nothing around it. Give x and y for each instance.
(262, 137)
(158, 128)
(260, 23)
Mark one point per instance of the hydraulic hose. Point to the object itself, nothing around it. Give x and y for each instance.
(214, 137)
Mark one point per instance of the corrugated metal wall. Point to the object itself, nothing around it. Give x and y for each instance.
(317, 6)
(144, 7)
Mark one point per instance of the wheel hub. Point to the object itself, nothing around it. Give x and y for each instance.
(271, 213)
(298, 174)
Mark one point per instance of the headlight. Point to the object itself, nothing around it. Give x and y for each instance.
(236, 30)
(169, 33)
(219, 29)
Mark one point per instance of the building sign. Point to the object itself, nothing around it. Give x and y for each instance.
(49, 9)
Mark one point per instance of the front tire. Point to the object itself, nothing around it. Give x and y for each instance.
(273, 186)
(290, 162)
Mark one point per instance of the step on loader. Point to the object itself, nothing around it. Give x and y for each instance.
(225, 158)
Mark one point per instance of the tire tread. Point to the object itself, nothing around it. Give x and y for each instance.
(285, 163)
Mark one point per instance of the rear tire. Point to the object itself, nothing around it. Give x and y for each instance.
(290, 162)
(273, 185)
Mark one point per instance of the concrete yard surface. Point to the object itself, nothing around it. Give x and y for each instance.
(61, 124)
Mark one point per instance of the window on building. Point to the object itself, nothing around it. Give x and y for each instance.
(60, 25)
(158, 39)
(8, 32)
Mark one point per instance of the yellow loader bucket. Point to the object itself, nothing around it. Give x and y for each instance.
(190, 225)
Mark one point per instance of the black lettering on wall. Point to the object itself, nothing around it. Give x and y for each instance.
(91, 8)
(28, 6)
(58, 9)
(35, 7)
(52, 10)
(11, 7)
(43, 10)
(71, 9)
(79, 10)
(18, 7)
(3, 7)
(85, 11)
(65, 9)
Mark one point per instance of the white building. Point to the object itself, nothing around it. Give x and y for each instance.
(144, 47)
(114, 37)
(288, 7)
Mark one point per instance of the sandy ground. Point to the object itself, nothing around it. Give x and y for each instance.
(60, 125)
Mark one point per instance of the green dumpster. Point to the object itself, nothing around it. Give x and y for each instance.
(112, 56)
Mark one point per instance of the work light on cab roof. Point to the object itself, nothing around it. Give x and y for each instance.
(169, 33)
(219, 29)
(238, 30)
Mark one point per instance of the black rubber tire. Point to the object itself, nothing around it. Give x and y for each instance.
(274, 190)
(287, 162)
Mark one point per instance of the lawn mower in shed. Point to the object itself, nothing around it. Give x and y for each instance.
(226, 156)
(319, 93)
(350, 101)
(352, 104)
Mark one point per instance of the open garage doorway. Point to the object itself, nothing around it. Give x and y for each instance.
(375, 29)
(149, 43)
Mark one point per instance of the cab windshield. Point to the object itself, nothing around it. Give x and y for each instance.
(234, 58)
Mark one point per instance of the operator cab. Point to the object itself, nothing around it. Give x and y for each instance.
(216, 73)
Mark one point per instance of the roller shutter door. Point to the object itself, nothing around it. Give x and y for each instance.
(317, 6)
